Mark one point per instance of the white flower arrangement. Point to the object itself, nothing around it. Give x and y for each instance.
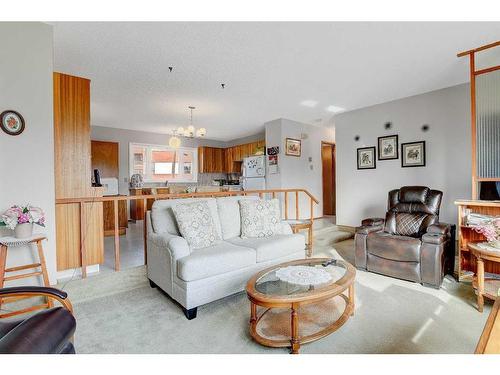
(21, 215)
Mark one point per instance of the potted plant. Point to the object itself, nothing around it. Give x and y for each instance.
(20, 219)
(491, 230)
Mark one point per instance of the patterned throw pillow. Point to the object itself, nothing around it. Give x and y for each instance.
(196, 224)
(409, 224)
(260, 218)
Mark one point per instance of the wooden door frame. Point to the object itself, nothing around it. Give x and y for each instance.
(334, 173)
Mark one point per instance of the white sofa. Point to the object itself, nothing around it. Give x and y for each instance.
(196, 277)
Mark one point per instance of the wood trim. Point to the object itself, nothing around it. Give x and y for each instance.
(478, 49)
(486, 70)
(473, 123)
(489, 342)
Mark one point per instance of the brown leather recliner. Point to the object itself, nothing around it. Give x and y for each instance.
(410, 243)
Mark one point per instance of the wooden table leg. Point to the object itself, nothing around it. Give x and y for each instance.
(351, 297)
(43, 265)
(253, 314)
(3, 261)
(480, 284)
(295, 331)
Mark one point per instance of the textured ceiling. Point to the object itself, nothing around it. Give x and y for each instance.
(271, 70)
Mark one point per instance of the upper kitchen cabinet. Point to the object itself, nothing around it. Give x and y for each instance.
(211, 160)
(226, 160)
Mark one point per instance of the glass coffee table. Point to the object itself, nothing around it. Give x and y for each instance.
(295, 306)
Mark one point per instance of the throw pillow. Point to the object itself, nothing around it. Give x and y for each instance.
(196, 224)
(260, 218)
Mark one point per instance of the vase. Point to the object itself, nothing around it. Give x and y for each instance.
(23, 230)
(495, 244)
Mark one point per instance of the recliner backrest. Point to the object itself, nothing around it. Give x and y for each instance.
(411, 209)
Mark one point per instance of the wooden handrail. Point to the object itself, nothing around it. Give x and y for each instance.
(180, 195)
(478, 49)
(115, 199)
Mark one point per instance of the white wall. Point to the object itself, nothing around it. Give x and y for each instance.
(298, 172)
(27, 160)
(363, 193)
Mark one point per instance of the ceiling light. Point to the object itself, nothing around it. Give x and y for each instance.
(174, 141)
(309, 103)
(334, 109)
(188, 132)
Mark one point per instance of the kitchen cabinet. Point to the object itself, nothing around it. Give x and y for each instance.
(226, 160)
(211, 160)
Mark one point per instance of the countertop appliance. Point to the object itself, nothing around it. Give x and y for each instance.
(110, 186)
(253, 173)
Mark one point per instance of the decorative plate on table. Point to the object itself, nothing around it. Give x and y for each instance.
(303, 275)
(12, 122)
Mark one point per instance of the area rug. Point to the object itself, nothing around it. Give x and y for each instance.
(124, 315)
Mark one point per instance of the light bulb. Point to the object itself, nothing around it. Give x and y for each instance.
(180, 130)
(201, 132)
(190, 128)
(174, 142)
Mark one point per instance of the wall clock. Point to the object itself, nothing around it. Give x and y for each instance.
(12, 122)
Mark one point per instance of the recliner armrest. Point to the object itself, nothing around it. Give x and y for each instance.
(434, 238)
(369, 229)
(439, 228)
(372, 221)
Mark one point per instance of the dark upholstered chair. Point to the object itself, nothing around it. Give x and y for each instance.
(410, 243)
(47, 332)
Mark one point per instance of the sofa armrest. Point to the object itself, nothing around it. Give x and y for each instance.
(372, 221)
(369, 229)
(177, 246)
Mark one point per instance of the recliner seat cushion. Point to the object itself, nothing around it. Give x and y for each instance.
(269, 248)
(393, 247)
(215, 260)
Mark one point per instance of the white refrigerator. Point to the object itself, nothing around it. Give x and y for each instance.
(253, 171)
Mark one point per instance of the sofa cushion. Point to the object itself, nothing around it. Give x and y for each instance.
(229, 215)
(393, 247)
(196, 224)
(215, 260)
(274, 247)
(260, 218)
(163, 219)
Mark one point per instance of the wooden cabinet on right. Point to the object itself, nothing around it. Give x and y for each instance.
(236, 154)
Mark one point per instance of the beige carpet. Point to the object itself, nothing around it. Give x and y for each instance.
(120, 313)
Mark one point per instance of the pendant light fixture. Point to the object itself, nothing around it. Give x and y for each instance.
(188, 132)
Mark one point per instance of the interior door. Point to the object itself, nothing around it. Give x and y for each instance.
(328, 169)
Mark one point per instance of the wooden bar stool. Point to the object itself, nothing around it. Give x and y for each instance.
(298, 225)
(40, 269)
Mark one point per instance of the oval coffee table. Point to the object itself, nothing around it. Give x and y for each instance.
(298, 314)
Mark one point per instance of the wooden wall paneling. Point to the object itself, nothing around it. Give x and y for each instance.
(72, 152)
(72, 136)
(105, 158)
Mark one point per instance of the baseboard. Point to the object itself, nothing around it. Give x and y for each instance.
(66, 274)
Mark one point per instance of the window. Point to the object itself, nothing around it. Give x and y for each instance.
(158, 163)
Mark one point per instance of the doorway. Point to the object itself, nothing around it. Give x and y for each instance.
(328, 172)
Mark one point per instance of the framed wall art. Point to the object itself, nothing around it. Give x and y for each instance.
(413, 154)
(388, 148)
(293, 147)
(12, 122)
(366, 158)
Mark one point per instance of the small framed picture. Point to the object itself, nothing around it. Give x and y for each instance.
(12, 122)
(293, 147)
(413, 154)
(366, 158)
(388, 147)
